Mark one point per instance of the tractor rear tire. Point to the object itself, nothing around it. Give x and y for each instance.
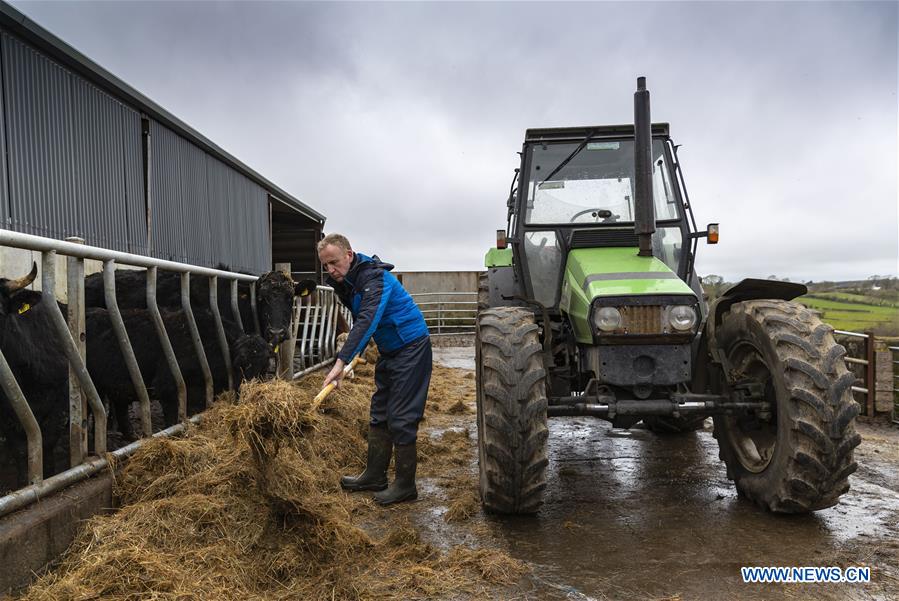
(665, 425)
(511, 399)
(483, 291)
(797, 459)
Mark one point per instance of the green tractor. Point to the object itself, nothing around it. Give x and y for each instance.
(592, 307)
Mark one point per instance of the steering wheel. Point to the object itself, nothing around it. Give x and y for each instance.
(597, 212)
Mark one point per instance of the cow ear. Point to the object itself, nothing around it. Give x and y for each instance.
(304, 287)
(13, 286)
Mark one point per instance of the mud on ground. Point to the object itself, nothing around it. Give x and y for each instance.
(631, 515)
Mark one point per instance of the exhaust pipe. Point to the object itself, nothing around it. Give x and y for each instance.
(644, 209)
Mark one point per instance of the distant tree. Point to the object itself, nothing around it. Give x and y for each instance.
(713, 285)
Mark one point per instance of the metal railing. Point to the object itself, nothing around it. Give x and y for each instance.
(448, 313)
(313, 339)
(311, 345)
(70, 335)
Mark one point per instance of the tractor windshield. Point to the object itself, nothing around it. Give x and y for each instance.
(596, 185)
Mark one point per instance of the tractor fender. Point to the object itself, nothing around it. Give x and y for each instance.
(748, 289)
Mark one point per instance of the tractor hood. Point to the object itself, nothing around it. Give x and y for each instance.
(603, 272)
(620, 272)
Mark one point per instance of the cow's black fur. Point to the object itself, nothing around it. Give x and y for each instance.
(250, 357)
(274, 297)
(41, 369)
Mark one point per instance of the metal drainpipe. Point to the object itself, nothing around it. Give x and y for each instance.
(219, 328)
(166, 344)
(48, 295)
(195, 337)
(121, 334)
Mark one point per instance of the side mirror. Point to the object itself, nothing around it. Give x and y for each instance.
(501, 241)
(710, 234)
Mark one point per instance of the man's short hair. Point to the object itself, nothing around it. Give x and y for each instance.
(335, 239)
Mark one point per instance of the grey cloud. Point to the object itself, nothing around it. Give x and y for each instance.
(401, 122)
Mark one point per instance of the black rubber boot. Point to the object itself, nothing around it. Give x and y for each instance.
(403, 486)
(380, 447)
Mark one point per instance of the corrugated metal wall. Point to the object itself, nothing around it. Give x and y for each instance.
(75, 166)
(38, 95)
(238, 218)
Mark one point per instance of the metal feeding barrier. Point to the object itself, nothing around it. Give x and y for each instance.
(313, 340)
(316, 343)
(448, 313)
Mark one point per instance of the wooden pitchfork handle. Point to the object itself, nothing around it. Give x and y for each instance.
(327, 389)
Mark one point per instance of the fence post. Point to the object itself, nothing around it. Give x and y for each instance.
(75, 318)
(869, 373)
(883, 378)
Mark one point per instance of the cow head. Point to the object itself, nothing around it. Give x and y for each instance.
(9, 289)
(251, 356)
(274, 299)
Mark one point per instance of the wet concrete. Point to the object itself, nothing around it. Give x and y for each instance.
(629, 514)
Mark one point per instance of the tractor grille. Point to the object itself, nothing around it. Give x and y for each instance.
(642, 319)
(603, 238)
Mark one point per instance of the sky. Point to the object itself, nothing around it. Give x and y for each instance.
(401, 122)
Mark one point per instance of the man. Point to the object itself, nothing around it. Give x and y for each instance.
(383, 309)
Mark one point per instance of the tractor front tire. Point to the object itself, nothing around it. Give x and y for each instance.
(511, 399)
(798, 458)
(483, 291)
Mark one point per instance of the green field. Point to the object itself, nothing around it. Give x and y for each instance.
(843, 311)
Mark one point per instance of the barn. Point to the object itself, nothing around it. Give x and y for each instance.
(87, 155)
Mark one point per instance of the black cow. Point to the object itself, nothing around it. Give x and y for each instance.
(30, 345)
(275, 292)
(250, 358)
(28, 342)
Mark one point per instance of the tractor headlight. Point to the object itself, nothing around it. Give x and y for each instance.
(607, 319)
(682, 317)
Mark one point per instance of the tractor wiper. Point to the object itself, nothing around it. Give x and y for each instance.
(567, 159)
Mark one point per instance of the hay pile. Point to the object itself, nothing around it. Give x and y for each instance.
(248, 506)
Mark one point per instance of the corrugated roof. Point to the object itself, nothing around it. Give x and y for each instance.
(20, 25)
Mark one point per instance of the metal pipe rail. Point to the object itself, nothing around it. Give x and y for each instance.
(452, 316)
(29, 242)
(118, 326)
(28, 495)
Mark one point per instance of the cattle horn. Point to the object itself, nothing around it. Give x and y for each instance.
(16, 285)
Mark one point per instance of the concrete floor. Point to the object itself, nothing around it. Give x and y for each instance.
(629, 514)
